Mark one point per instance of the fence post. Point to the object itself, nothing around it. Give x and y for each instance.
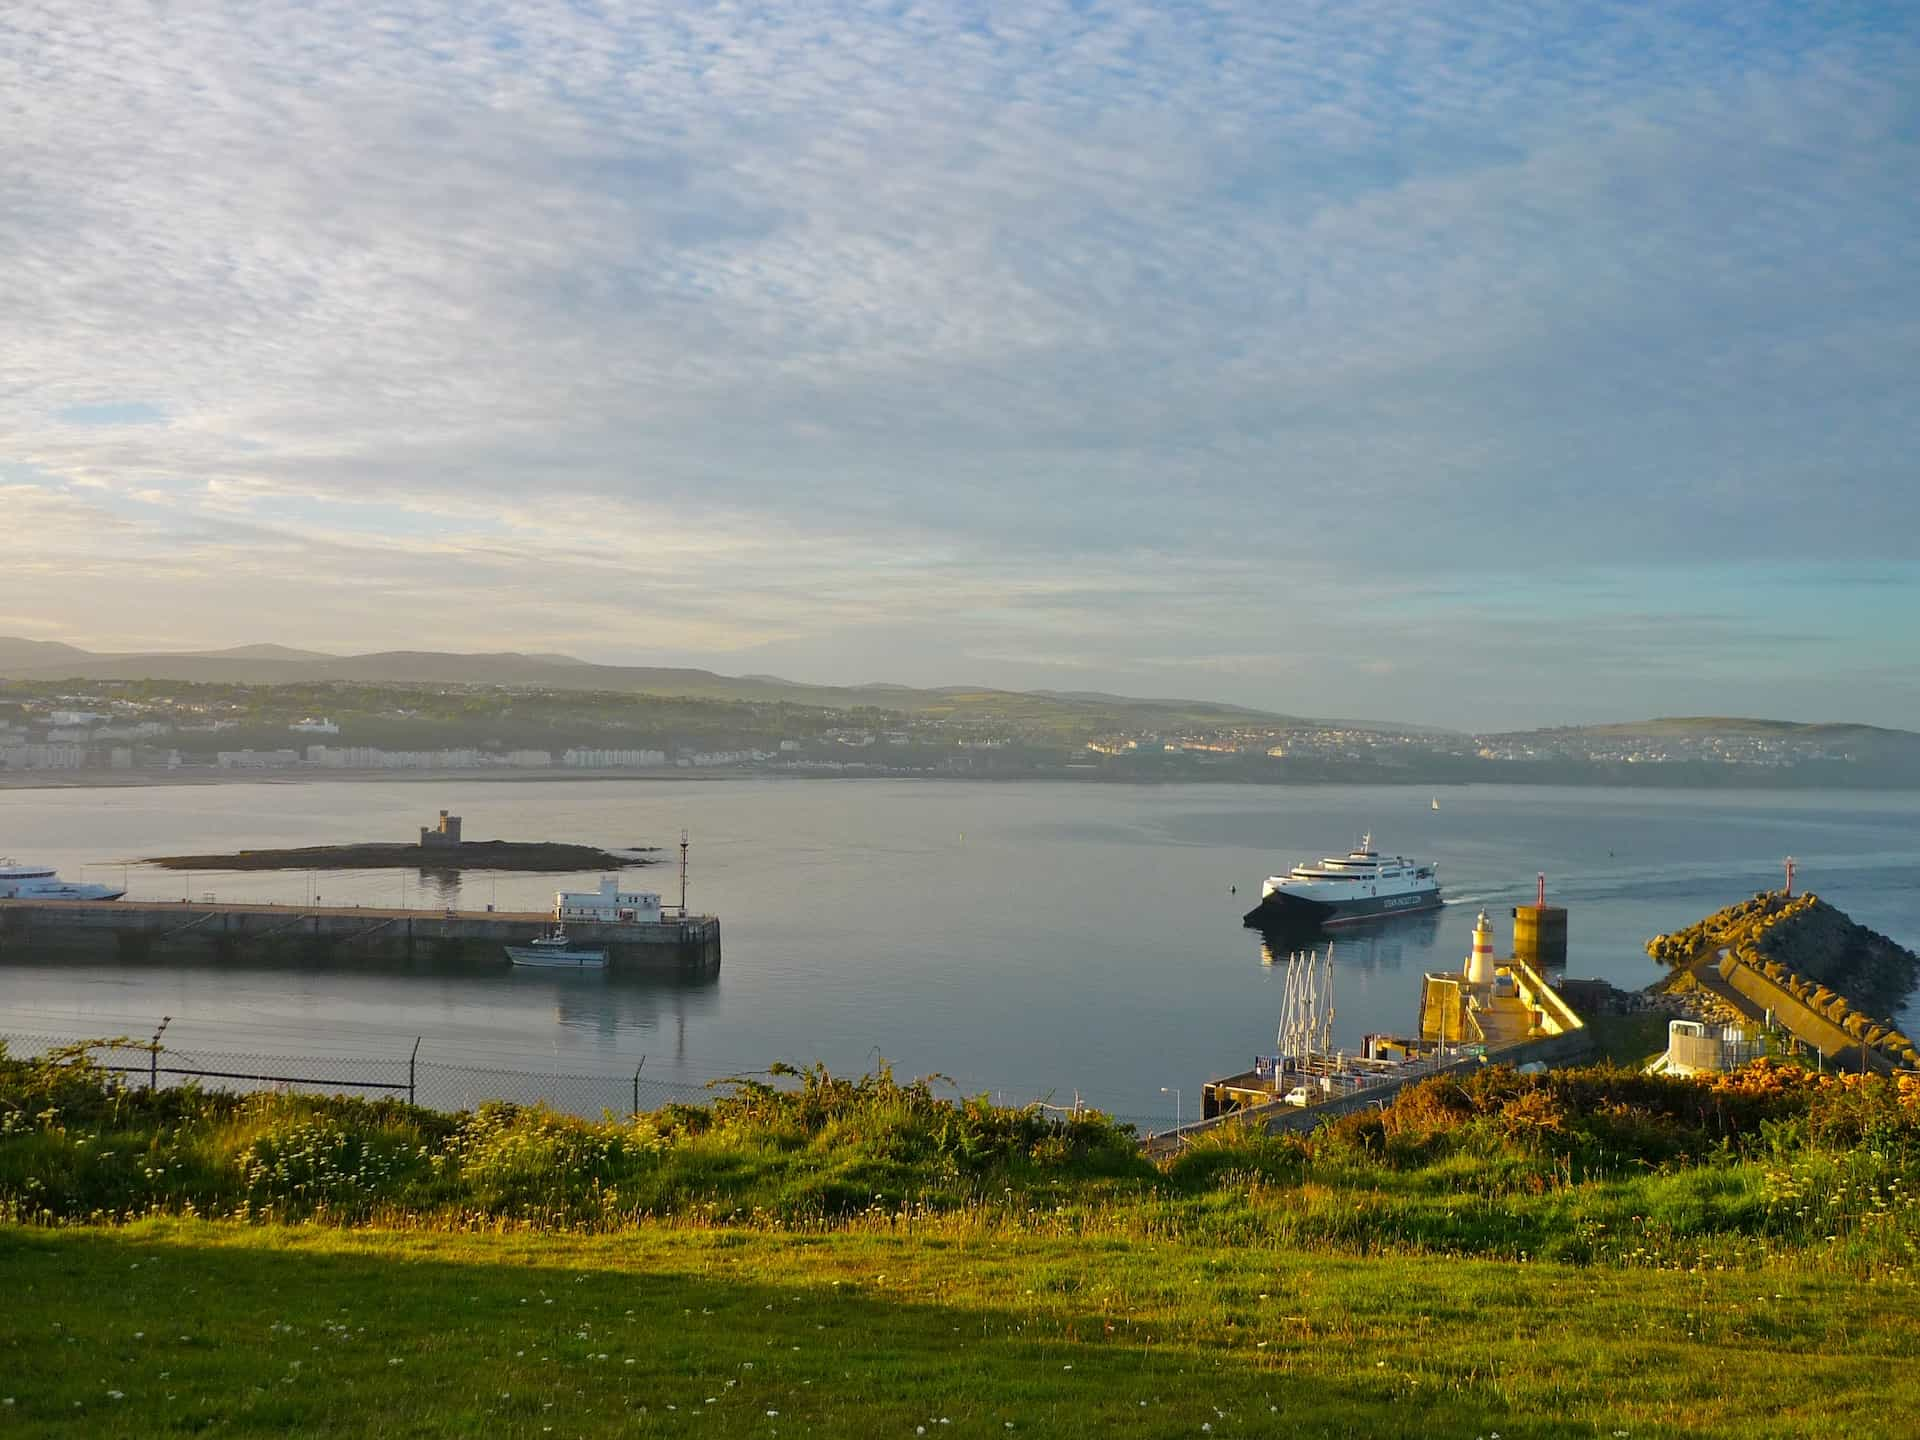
(636, 1087)
(412, 1063)
(153, 1054)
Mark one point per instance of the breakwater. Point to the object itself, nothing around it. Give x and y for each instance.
(155, 931)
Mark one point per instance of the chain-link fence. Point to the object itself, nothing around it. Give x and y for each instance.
(412, 1073)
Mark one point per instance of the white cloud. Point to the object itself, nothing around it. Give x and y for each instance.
(1104, 333)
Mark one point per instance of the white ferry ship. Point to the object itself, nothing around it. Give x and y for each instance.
(1338, 890)
(35, 882)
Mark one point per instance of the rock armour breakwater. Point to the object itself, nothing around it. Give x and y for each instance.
(1844, 973)
(1805, 935)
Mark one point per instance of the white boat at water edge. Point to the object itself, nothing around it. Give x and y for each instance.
(37, 882)
(554, 951)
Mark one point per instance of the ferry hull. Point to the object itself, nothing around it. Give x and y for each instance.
(1281, 909)
(65, 892)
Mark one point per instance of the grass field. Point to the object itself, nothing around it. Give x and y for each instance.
(1589, 1253)
(196, 1327)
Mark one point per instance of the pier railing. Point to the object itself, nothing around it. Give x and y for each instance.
(418, 1075)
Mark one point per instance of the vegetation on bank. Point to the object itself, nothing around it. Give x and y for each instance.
(1593, 1251)
(1583, 1165)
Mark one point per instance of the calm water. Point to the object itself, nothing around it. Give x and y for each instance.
(1027, 939)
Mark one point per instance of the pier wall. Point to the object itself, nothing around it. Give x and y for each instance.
(335, 934)
(1564, 1049)
(1842, 1049)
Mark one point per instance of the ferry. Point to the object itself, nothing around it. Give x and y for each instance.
(553, 951)
(35, 882)
(1360, 885)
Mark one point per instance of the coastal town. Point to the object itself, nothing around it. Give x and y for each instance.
(207, 730)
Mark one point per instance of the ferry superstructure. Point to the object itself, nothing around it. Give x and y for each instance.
(37, 882)
(1341, 889)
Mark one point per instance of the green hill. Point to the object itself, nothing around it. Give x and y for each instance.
(277, 665)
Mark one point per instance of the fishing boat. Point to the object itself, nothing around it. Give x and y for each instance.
(553, 951)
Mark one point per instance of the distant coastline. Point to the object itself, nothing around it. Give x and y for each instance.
(1767, 781)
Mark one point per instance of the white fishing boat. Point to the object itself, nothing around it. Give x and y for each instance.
(553, 951)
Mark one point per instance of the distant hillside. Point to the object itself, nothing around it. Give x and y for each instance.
(280, 665)
(1681, 725)
(266, 652)
(1895, 750)
(19, 657)
(1694, 726)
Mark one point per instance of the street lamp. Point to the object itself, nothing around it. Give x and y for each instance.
(1175, 1092)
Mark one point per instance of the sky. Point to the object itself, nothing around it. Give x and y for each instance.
(1483, 365)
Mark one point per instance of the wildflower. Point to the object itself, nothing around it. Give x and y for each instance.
(773, 1414)
(116, 1395)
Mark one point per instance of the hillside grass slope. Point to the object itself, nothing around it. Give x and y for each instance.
(1592, 1252)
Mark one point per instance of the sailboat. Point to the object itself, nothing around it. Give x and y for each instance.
(1436, 802)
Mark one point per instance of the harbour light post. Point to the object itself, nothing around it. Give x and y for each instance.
(1175, 1092)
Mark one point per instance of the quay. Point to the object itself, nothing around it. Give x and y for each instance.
(158, 930)
(1486, 1012)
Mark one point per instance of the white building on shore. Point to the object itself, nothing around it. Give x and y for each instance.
(584, 759)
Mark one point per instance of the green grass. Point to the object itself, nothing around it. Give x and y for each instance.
(674, 1330)
(1592, 1252)
(1629, 1040)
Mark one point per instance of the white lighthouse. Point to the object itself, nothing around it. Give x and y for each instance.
(1479, 965)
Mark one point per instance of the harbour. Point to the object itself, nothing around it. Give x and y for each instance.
(1488, 1010)
(1077, 940)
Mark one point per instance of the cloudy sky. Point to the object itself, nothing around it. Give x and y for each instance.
(1483, 364)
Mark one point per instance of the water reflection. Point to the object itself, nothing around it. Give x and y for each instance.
(633, 978)
(1383, 944)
